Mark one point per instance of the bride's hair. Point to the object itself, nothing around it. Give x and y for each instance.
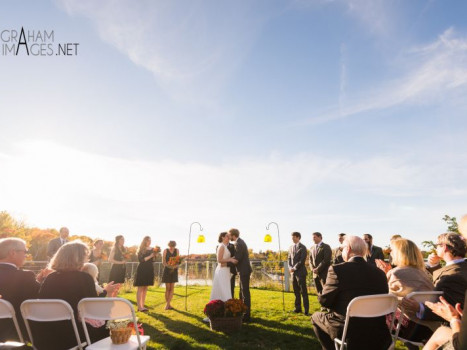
(221, 236)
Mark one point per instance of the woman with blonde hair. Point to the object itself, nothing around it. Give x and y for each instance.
(408, 276)
(69, 283)
(144, 273)
(117, 258)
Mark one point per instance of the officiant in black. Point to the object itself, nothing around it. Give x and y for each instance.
(233, 269)
(296, 260)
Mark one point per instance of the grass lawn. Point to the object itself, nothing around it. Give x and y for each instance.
(270, 328)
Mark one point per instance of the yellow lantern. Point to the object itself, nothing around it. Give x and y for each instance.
(200, 239)
(268, 238)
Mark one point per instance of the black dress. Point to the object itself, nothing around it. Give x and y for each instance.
(170, 275)
(71, 286)
(145, 271)
(117, 272)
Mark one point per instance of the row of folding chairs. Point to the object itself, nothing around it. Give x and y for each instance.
(381, 305)
(48, 310)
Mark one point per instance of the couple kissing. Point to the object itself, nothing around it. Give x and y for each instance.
(232, 259)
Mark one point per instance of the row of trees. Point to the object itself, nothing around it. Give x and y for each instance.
(37, 239)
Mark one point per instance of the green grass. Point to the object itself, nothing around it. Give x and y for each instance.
(270, 328)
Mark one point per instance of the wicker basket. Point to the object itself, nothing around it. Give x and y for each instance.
(121, 335)
(226, 324)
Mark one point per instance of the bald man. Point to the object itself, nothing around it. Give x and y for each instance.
(344, 282)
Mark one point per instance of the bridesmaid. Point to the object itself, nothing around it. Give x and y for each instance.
(170, 275)
(144, 273)
(117, 258)
(96, 252)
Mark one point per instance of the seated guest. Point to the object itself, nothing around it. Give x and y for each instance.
(344, 282)
(408, 276)
(456, 335)
(68, 283)
(93, 271)
(450, 279)
(15, 285)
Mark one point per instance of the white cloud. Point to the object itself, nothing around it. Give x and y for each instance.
(50, 185)
(190, 47)
(435, 72)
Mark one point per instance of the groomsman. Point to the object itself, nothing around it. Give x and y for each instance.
(374, 252)
(297, 258)
(320, 260)
(56, 243)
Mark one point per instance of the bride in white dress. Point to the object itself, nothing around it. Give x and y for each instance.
(221, 281)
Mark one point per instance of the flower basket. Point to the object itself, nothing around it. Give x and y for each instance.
(120, 335)
(226, 324)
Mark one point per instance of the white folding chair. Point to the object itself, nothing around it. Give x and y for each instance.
(8, 311)
(420, 297)
(368, 306)
(110, 309)
(49, 310)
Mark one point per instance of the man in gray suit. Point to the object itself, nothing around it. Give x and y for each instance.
(243, 269)
(296, 260)
(56, 243)
(320, 260)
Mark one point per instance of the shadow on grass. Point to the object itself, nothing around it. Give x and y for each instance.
(166, 340)
(258, 334)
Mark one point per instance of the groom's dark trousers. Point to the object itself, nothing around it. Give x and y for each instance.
(244, 270)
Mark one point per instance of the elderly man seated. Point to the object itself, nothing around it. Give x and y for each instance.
(15, 285)
(345, 281)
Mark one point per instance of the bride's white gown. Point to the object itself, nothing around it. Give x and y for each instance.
(221, 281)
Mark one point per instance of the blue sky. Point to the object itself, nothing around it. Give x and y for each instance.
(330, 116)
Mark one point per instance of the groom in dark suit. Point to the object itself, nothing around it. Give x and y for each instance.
(243, 269)
(296, 260)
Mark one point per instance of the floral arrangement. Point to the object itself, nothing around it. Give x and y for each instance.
(174, 260)
(127, 256)
(234, 307)
(231, 308)
(157, 249)
(104, 257)
(119, 324)
(215, 308)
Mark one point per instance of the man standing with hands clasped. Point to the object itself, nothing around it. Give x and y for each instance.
(296, 260)
(320, 260)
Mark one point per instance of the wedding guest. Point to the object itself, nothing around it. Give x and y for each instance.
(296, 261)
(144, 273)
(456, 335)
(373, 252)
(68, 283)
(408, 276)
(56, 243)
(344, 282)
(117, 258)
(320, 260)
(16, 285)
(450, 279)
(338, 251)
(393, 238)
(170, 275)
(93, 271)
